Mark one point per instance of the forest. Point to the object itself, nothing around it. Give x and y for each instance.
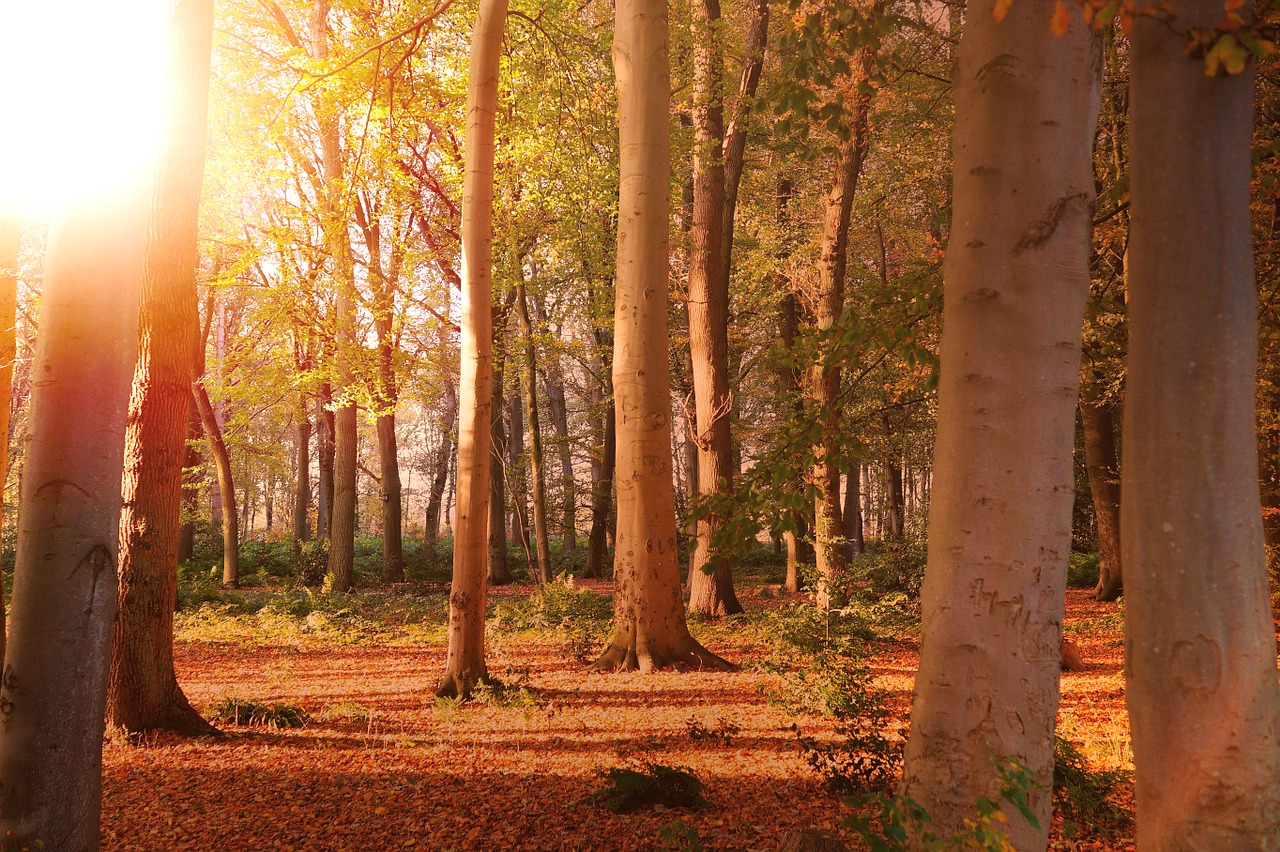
(645, 424)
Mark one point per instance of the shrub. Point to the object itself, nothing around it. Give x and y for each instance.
(1082, 795)
(823, 661)
(1082, 570)
(628, 790)
(890, 568)
(242, 711)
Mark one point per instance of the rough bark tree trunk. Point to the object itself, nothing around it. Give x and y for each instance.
(824, 381)
(465, 665)
(143, 692)
(1016, 280)
(301, 478)
(530, 379)
(710, 574)
(64, 601)
(1098, 420)
(650, 631)
(602, 473)
(1200, 646)
(226, 486)
(342, 514)
(10, 242)
(443, 456)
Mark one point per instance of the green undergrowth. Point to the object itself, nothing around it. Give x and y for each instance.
(821, 661)
(283, 616)
(579, 619)
(1084, 796)
(243, 711)
(652, 785)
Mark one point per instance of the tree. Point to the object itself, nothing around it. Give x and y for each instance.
(650, 631)
(465, 665)
(529, 376)
(342, 514)
(143, 690)
(710, 575)
(64, 600)
(1200, 643)
(1016, 281)
(10, 240)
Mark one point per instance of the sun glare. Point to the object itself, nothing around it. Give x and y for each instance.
(81, 83)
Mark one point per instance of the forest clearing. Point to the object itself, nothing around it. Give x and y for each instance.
(381, 763)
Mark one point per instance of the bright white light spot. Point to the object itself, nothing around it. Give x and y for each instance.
(80, 98)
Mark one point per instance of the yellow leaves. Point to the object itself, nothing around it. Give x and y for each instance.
(1061, 20)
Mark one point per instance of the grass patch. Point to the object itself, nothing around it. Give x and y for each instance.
(655, 785)
(243, 711)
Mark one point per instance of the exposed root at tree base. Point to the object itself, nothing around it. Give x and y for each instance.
(178, 718)
(690, 657)
(461, 686)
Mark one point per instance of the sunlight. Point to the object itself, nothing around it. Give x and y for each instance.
(80, 87)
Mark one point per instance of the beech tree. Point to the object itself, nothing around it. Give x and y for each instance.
(465, 665)
(10, 240)
(143, 692)
(1016, 280)
(64, 597)
(650, 631)
(1200, 642)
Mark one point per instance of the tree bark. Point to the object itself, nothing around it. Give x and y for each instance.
(512, 471)
(342, 520)
(895, 499)
(10, 242)
(440, 464)
(64, 601)
(226, 486)
(851, 512)
(324, 456)
(143, 692)
(710, 574)
(465, 666)
(558, 408)
(392, 505)
(602, 473)
(1097, 417)
(301, 477)
(824, 381)
(530, 377)
(1016, 279)
(649, 625)
(1200, 644)
(499, 568)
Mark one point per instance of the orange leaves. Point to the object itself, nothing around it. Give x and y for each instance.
(1001, 9)
(1061, 19)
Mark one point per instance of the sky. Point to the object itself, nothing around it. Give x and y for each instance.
(80, 89)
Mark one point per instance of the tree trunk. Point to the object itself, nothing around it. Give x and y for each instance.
(499, 568)
(824, 383)
(799, 551)
(10, 242)
(851, 512)
(226, 486)
(530, 376)
(1200, 642)
(342, 513)
(143, 692)
(64, 601)
(1098, 419)
(1016, 280)
(512, 470)
(649, 625)
(192, 476)
(392, 507)
(710, 574)
(465, 666)
(443, 456)
(602, 477)
(324, 454)
(302, 478)
(735, 140)
(896, 501)
(557, 407)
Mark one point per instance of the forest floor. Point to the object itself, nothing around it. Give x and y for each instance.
(383, 765)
